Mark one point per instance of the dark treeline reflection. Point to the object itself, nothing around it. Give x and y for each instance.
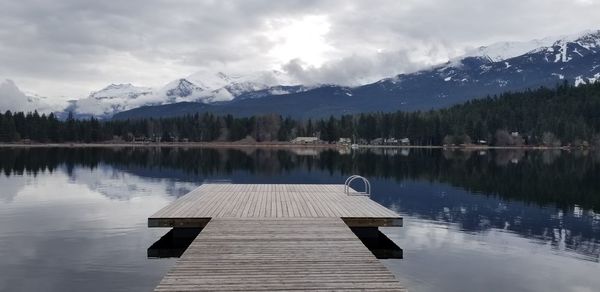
(542, 177)
(471, 188)
(546, 178)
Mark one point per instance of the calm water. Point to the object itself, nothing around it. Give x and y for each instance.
(75, 219)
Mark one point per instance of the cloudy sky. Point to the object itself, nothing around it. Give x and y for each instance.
(66, 48)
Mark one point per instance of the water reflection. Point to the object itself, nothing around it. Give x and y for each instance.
(574, 231)
(541, 177)
(516, 209)
(439, 257)
(59, 234)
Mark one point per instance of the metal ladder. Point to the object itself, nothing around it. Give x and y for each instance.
(350, 179)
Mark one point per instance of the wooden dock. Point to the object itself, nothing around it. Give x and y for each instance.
(276, 238)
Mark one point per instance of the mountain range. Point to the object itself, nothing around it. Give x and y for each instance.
(501, 67)
(202, 88)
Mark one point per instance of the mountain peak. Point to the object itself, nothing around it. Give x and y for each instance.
(505, 50)
(589, 40)
(182, 88)
(113, 86)
(122, 90)
(184, 81)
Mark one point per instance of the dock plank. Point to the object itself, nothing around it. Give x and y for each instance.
(277, 254)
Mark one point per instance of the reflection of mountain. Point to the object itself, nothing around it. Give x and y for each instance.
(121, 185)
(577, 231)
(104, 180)
(477, 190)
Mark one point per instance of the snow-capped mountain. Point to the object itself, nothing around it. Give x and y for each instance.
(573, 57)
(13, 99)
(251, 85)
(200, 87)
(241, 83)
(121, 91)
(120, 97)
(111, 99)
(489, 71)
(505, 50)
(182, 90)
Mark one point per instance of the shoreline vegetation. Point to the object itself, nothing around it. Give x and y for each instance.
(277, 145)
(561, 118)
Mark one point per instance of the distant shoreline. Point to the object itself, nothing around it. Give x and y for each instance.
(473, 147)
(272, 145)
(169, 144)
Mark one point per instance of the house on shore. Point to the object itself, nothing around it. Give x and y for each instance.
(390, 141)
(344, 141)
(306, 140)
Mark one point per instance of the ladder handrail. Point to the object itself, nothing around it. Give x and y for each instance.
(350, 179)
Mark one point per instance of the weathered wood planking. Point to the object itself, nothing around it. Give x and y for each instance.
(273, 201)
(277, 254)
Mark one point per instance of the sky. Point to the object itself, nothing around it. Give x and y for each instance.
(64, 49)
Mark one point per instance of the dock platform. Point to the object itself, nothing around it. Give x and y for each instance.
(196, 208)
(276, 238)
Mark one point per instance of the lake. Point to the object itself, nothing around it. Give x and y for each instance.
(74, 219)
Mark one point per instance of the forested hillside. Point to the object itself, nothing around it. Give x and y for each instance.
(560, 116)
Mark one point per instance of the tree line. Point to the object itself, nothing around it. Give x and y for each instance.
(559, 116)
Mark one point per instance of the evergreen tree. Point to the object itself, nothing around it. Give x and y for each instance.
(570, 114)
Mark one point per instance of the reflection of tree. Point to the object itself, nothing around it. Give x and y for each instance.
(503, 158)
(541, 177)
(533, 177)
(549, 156)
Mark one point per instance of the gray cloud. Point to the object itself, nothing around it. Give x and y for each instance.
(70, 47)
(353, 70)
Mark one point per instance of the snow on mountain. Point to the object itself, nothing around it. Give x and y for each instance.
(587, 80)
(505, 50)
(119, 97)
(226, 87)
(13, 99)
(570, 57)
(241, 83)
(182, 90)
(199, 87)
(571, 47)
(121, 91)
(112, 99)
